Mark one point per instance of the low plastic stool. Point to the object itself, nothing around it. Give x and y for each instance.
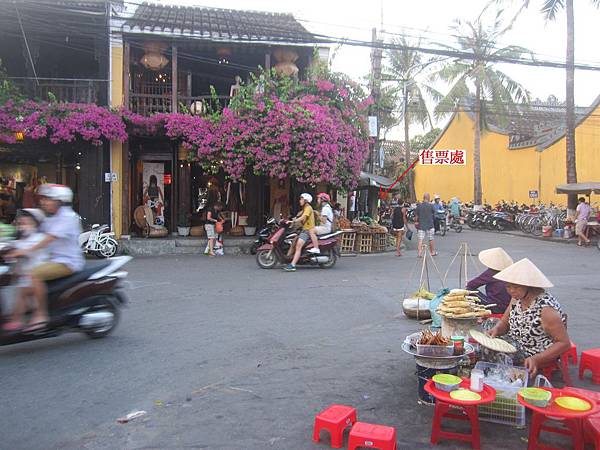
(442, 410)
(570, 427)
(590, 360)
(372, 436)
(334, 419)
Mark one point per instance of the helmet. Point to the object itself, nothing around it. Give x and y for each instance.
(436, 197)
(56, 192)
(323, 196)
(34, 213)
(306, 197)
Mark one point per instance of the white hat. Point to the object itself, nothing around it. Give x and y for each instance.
(524, 273)
(56, 192)
(495, 258)
(435, 197)
(306, 197)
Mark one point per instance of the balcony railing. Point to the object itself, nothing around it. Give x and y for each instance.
(147, 104)
(64, 89)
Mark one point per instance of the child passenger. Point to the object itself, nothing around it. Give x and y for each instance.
(28, 222)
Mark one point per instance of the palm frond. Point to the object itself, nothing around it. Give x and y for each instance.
(457, 92)
(550, 8)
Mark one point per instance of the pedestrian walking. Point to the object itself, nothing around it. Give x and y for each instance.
(399, 222)
(424, 224)
(213, 220)
(582, 215)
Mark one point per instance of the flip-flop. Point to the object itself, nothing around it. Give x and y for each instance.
(434, 254)
(37, 326)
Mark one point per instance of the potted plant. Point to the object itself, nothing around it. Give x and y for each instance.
(184, 223)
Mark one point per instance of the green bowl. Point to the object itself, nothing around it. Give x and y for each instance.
(446, 382)
(536, 396)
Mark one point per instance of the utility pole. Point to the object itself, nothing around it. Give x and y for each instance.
(376, 56)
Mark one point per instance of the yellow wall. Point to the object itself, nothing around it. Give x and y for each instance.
(509, 174)
(116, 148)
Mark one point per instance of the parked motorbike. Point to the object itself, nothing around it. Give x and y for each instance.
(263, 235)
(274, 251)
(99, 241)
(503, 221)
(88, 301)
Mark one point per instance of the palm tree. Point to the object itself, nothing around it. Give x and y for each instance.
(550, 9)
(475, 80)
(408, 68)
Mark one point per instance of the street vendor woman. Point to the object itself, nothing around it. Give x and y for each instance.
(534, 318)
(495, 259)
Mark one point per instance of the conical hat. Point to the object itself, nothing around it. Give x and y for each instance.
(524, 273)
(495, 258)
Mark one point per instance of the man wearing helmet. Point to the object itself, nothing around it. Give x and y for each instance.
(307, 219)
(61, 229)
(326, 219)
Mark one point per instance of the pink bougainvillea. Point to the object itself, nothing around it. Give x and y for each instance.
(313, 131)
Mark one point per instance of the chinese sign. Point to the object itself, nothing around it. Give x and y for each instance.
(372, 126)
(453, 157)
(533, 194)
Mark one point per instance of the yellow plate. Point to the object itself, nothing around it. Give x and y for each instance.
(573, 403)
(465, 395)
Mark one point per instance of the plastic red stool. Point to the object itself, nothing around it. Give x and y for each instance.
(561, 365)
(570, 427)
(442, 410)
(590, 360)
(334, 419)
(372, 436)
(572, 354)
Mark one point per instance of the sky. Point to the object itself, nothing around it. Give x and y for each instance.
(431, 19)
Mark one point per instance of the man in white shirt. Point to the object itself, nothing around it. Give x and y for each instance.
(324, 227)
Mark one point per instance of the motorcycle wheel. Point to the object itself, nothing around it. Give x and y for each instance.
(458, 228)
(443, 228)
(471, 223)
(332, 260)
(108, 249)
(254, 248)
(266, 259)
(500, 226)
(107, 305)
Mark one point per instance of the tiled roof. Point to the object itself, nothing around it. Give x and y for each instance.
(217, 24)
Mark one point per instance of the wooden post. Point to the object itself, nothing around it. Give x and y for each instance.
(188, 87)
(268, 62)
(174, 78)
(126, 73)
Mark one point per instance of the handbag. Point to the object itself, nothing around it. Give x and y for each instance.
(219, 227)
(409, 234)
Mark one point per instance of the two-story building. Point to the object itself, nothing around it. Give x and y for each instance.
(185, 59)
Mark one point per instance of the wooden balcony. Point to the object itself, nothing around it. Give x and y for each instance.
(74, 90)
(148, 104)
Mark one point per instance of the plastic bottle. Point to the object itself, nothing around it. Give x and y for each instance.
(477, 380)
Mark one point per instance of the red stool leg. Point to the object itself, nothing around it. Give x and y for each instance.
(337, 437)
(564, 368)
(475, 433)
(537, 420)
(353, 443)
(317, 430)
(582, 365)
(440, 409)
(573, 354)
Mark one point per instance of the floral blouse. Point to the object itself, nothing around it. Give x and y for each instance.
(525, 326)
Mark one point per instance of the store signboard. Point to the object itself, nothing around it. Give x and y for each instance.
(372, 126)
(533, 194)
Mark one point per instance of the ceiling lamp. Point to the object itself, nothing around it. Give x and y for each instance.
(153, 58)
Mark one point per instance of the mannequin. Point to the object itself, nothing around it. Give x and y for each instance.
(235, 88)
(234, 200)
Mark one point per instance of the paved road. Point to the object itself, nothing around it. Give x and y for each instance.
(223, 355)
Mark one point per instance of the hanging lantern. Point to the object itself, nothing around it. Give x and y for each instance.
(198, 108)
(286, 59)
(153, 58)
(19, 136)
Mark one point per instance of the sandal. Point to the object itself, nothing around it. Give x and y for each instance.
(36, 326)
(434, 254)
